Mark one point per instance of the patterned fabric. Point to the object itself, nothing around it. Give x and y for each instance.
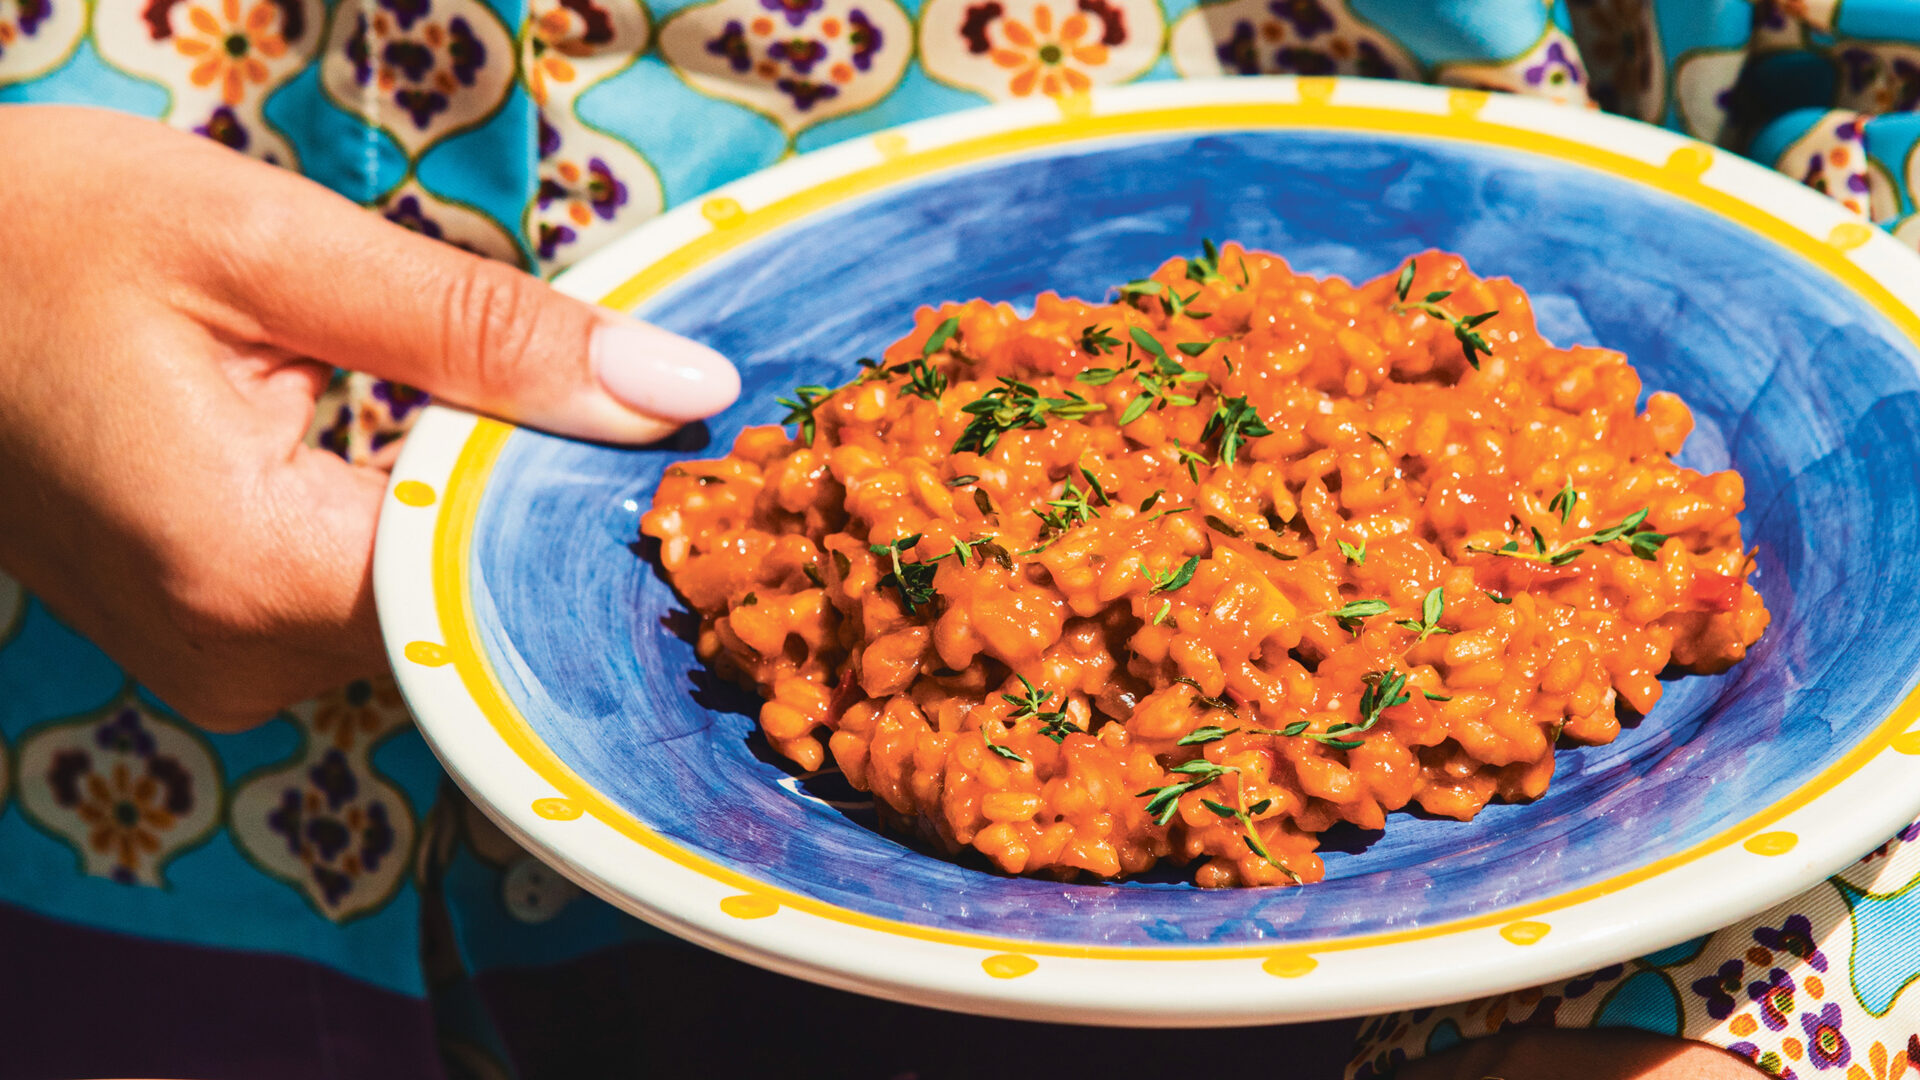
(535, 131)
(1815, 985)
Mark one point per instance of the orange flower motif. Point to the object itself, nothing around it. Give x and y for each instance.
(126, 814)
(356, 712)
(1041, 58)
(229, 46)
(553, 36)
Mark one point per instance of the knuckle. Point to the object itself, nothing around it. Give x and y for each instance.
(491, 322)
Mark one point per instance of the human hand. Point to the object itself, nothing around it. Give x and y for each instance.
(169, 311)
(1524, 1053)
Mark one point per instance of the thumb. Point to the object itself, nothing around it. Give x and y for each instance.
(323, 278)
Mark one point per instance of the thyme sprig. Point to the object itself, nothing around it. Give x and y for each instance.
(1384, 690)
(1164, 801)
(1470, 339)
(940, 336)
(923, 379)
(1434, 606)
(1054, 723)
(1349, 614)
(800, 409)
(1644, 543)
(1070, 509)
(1235, 421)
(1244, 817)
(1097, 341)
(1014, 404)
(1565, 502)
(915, 579)
(1355, 555)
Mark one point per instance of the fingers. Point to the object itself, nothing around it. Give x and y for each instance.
(323, 278)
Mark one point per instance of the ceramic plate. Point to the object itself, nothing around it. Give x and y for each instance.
(550, 667)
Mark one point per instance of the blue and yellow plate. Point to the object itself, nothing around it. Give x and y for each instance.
(549, 663)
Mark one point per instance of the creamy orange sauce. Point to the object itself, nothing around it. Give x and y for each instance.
(1191, 690)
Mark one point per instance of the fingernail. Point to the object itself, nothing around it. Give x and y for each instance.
(660, 374)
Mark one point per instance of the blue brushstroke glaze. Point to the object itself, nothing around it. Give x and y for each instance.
(1799, 384)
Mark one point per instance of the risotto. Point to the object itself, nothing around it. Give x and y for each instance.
(1199, 573)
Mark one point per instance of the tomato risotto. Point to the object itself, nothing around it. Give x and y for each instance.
(1196, 574)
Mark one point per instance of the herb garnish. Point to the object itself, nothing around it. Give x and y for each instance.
(1471, 340)
(1005, 753)
(1054, 723)
(962, 481)
(1094, 488)
(1207, 267)
(1146, 504)
(1164, 801)
(800, 408)
(1497, 598)
(1192, 459)
(1431, 609)
(1200, 697)
(1173, 579)
(1349, 614)
(923, 379)
(1156, 384)
(1645, 543)
(1564, 501)
(1200, 735)
(1195, 348)
(1384, 690)
(1070, 509)
(915, 579)
(1355, 555)
(1235, 421)
(1014, 404)
(1097, 341)
(1254, 844)
(940, 336)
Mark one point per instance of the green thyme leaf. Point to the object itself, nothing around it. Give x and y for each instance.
(1097, 342)
(1006, 753)
(1565, 501)
(940, 336)
(1199, 735)
(1235, 421)
(1355, 555)
(800, 409)
(1174, 579)
(1406, 280)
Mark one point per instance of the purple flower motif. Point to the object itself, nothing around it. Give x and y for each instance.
(400, 400)
(407, 213)
(549, 190)
(1859, 66)
(805, 92)
(1720, 987)
(225, 128)
(407, 12)
(328, 836)
(553, 238)
(796, 11)
(800, 54)
(285, 818)
(1307, 16)
(1584, 985)
(732, 44)
(605, 192)
(864, 38)
(360, 52)
(421, 105)
(1856, 183)
(334, 779)
(334, 438)
(175, 781)
(1769, 1062)
(1371, 62)
(64, 773)
(412, 58)
(549, 139)
(1775, 996)
(1554, 69)
(1240, 53)
(1826, 1047)
(464, 46)
(124, 733)
(29, 14)
(1794, 937)
(1295, 60)
(1906, 75)
(376, 838)
(333, 884)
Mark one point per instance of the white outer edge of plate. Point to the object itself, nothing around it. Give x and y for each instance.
(1833, 829)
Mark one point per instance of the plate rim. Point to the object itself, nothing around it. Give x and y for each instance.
(447, 461)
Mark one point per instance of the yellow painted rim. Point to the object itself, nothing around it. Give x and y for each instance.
(1681, 176)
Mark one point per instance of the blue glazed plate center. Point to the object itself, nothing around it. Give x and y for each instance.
(1794, 381)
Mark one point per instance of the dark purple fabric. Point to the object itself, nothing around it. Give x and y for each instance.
(673, 1011)
(76, 1002)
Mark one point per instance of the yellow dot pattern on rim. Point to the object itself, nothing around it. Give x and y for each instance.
(1691, 162)
(1524, 932)
(1908, 743)
(748, 907)
(556, 809)
(725, 213)
(1849, 235)
(1289, 965)
(426, 653)
(413, 493)
(1077, 105)
(890, 144)
(1009, 965)
(1771, 843)
(1315, 90)
(1467, 104)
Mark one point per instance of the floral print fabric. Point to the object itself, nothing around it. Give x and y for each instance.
(535, 131)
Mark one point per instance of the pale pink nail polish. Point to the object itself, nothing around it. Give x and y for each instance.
(660, 374)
